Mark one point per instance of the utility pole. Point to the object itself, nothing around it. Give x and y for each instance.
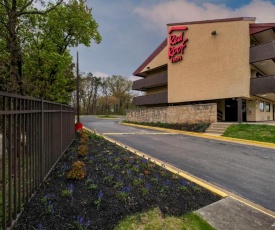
(77, 88)
(78, 125)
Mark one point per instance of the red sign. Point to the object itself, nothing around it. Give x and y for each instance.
(177, 43)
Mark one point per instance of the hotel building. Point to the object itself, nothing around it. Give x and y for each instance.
(229, 63)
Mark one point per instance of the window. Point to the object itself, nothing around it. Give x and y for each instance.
(261, 106)
(267, 107)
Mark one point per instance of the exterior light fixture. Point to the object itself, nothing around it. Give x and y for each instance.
(214, 32)
(148, 67)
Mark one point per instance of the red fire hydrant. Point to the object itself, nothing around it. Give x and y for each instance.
(78, 126)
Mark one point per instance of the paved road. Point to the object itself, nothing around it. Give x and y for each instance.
(245, 170)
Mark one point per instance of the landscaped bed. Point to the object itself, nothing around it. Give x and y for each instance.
(112, 183)
(197, 127)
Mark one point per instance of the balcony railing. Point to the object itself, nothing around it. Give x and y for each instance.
(152, 99)
(262, 52)
(262, 85)
(150, 82)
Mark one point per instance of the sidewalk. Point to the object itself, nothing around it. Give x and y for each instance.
(233, 212)
(230, 214)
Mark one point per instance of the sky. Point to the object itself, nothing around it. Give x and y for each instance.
(132, 29)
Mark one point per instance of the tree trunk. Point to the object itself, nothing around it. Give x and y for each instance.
(12, 46)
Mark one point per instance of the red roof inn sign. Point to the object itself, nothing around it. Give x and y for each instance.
(176, 43)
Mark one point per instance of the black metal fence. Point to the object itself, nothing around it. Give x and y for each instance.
(34, 134)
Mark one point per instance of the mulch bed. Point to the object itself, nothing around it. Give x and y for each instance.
(197, 127)
(117, 184)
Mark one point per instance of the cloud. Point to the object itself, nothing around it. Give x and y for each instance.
(158, 15)
(134, 78)
(101, 74)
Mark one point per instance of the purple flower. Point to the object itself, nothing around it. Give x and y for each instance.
(52, 209)
(141, 176)
(184, 183)
(148, 185)
(87, 224)
(80, 220)
(39, 226)
(71, 187)
(126, 189)
(100, 195)
(92, 158)
(166, 183)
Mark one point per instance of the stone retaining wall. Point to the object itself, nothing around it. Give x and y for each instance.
(198, 113)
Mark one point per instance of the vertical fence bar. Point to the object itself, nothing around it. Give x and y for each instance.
(61, 128)
(14, 160)
(4, 135)
(19, 156)
(36, 153)
(24, 152)
(10, 165)
(32, 150)
(42, 141)
(27, 153)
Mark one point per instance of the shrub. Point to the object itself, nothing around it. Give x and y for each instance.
(78, 171)
(82, 150)
(84, 136)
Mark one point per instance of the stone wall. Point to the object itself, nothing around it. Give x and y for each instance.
(198, 113)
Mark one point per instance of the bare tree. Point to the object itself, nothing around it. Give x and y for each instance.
(120, 88)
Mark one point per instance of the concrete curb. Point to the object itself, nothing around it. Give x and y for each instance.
(207, 136)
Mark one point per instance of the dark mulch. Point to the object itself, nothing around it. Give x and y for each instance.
(119, 177)
(197, 127)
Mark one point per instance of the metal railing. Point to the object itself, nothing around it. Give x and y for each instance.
(150, 82)
(34, 133)
(151, 99)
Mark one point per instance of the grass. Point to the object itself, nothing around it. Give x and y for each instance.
(154, 220)
(263, 133)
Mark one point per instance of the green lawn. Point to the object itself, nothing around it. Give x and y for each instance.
(263, 133)
(154, 220)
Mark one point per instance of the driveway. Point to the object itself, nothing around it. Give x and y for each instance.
(247, 171)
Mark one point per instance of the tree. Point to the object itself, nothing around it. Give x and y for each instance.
(12, 14)
(44, 64)
(120, 87)
(104, 95)
(89, 88)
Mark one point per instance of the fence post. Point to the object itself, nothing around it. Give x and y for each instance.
(61, 133)
(42, 141)
(4, 167)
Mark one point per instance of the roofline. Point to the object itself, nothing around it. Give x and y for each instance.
(260, 27)
(215, 20)
(150, 58)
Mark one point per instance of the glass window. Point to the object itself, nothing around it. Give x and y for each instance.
(267, 107)
(261, 106)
